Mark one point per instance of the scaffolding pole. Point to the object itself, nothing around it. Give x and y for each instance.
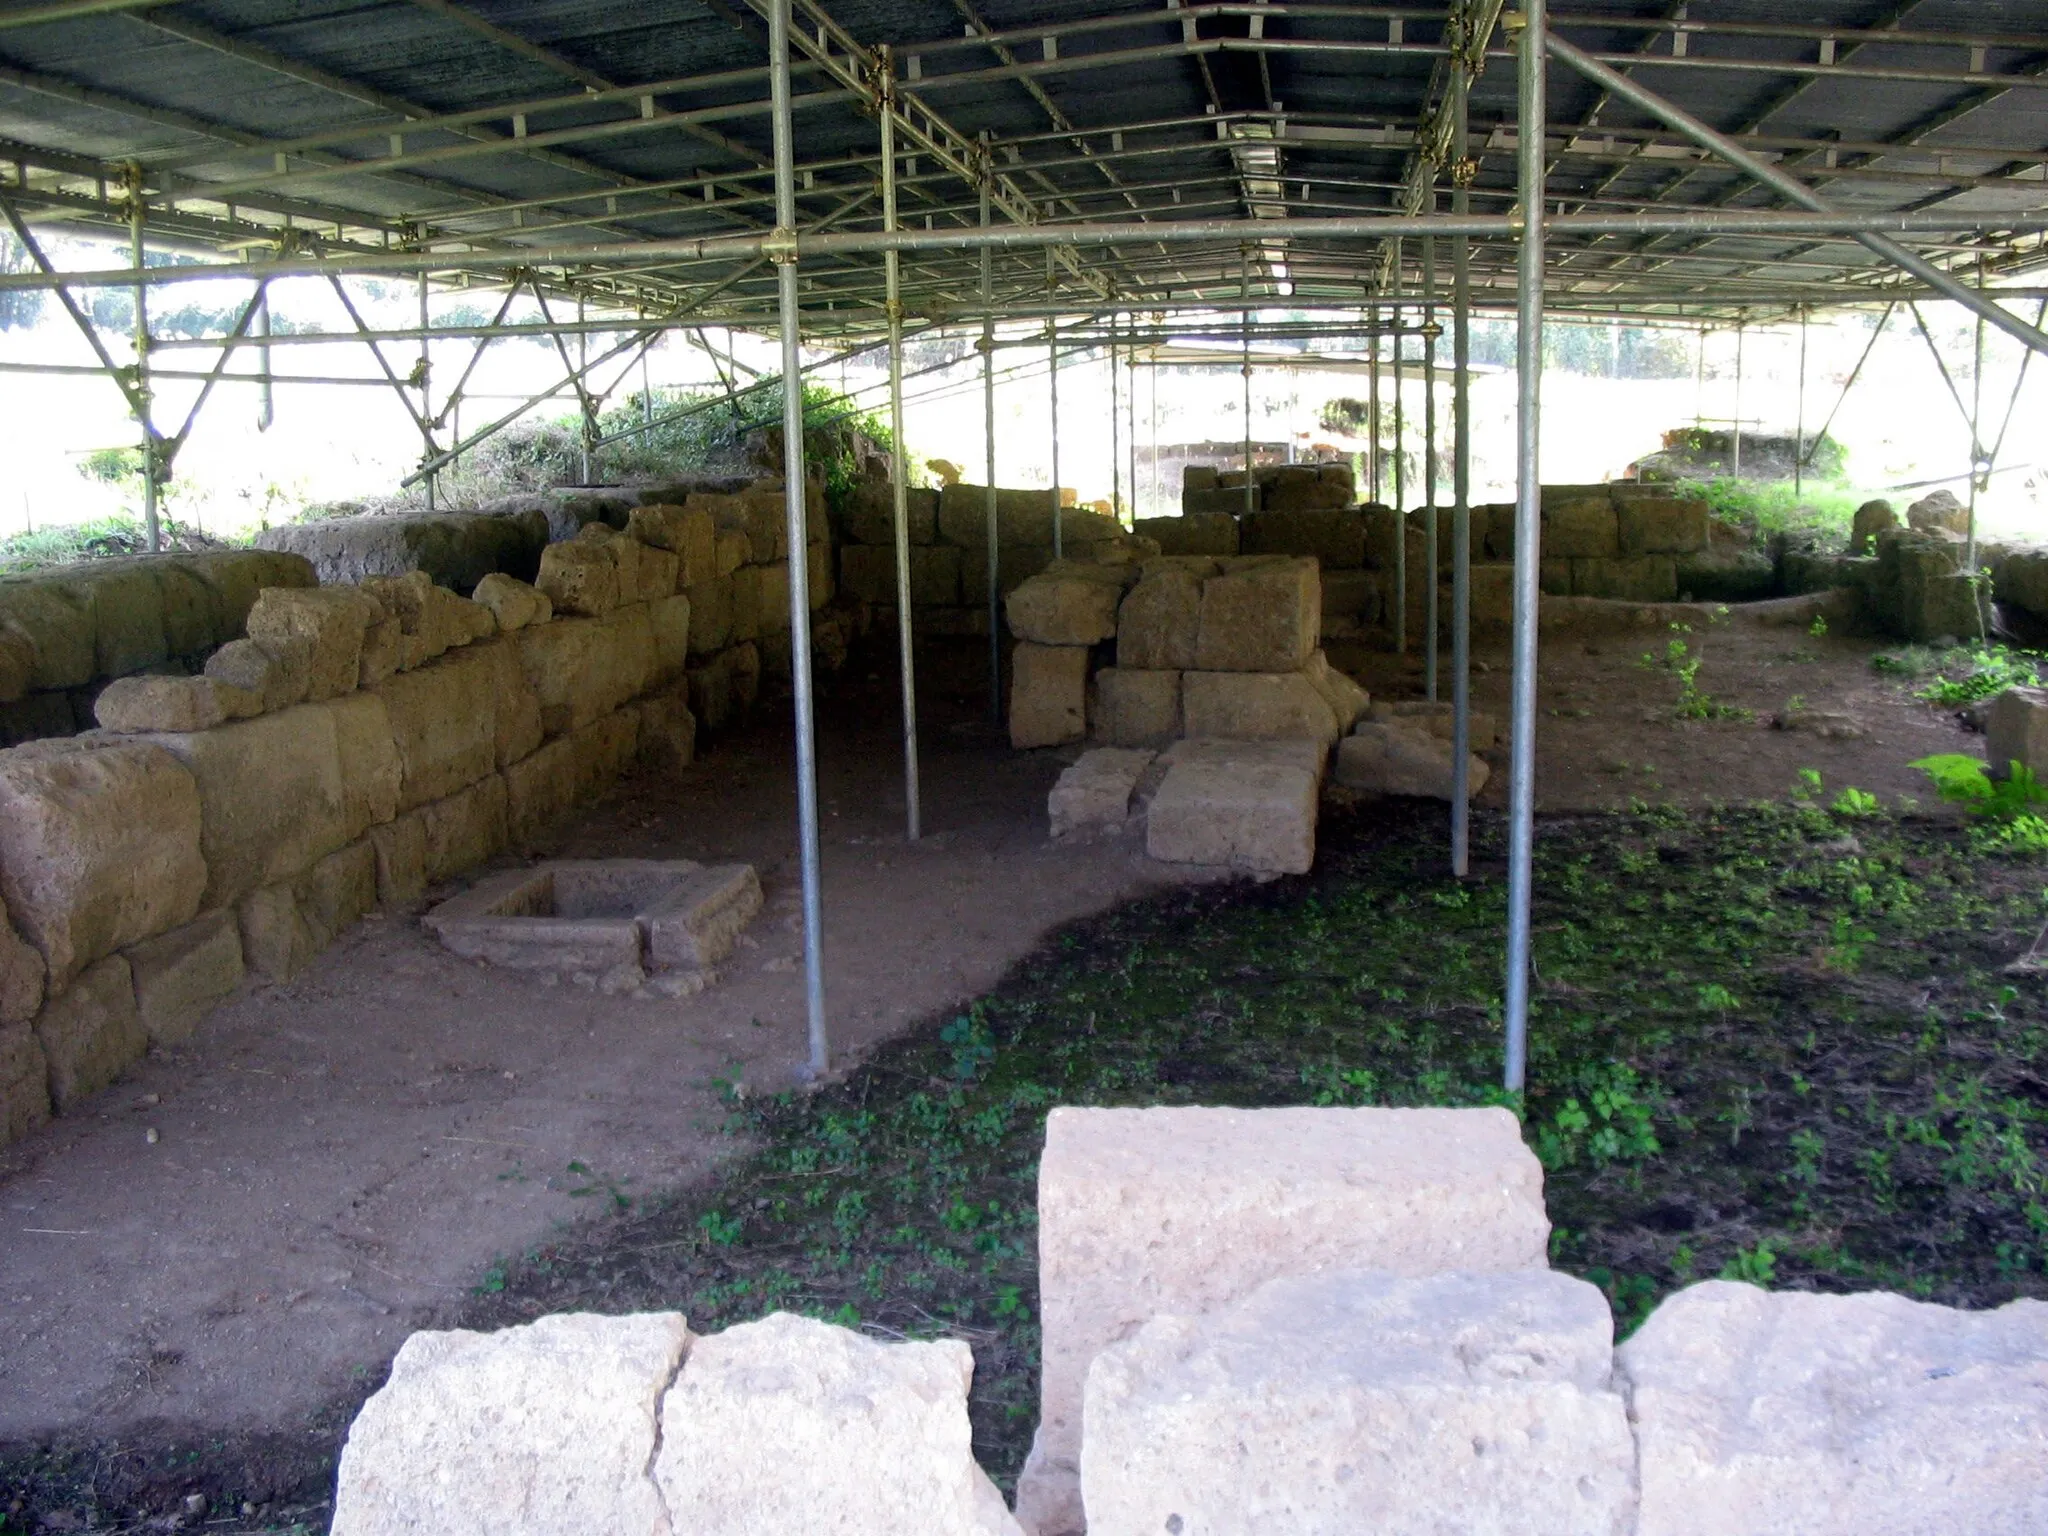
(1429, 453)
(1528, 538)
(899, 474)
(1244, 294)
(1462, 170)
(1052, 374)
(793, 497)
(146, 417)
(988, 426)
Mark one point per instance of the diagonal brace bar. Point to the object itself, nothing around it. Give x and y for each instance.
(1793, 190)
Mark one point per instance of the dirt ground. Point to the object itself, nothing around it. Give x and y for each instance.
(346, 1158)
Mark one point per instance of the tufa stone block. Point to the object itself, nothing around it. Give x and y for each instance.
(90, 1032)
(150, 703)
(1256, 706)
(1159, 623)
(326, 624)
(1400, 758)
(24, 1083)
(1265, 617)
(1048, 695)
(1065, 608)
(1245, 812)
(1134, 708)
(512, 602)
(21, 977)
(1094, 794)
(1661, 525)
(180, 976)
(278, 677)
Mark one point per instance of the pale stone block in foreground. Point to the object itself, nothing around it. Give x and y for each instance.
(328, 622)
(545, 1430)
(1871, 1415)
(150, 703)
(1358, 1401)
(1186, 1210)
(1095, 793)
(512, 602)
(1263, 616)
(1160, 621)
(579, 577)
(2017, 731)
(1063, 609)
(789, 1425)
(1238, 810)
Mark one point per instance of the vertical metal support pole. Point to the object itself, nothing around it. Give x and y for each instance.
(266, 409)
(426, 406)
(151, 527)
(794, 488)
(899, 467)
(1116, 447)
(988, 427)
(1737, 439)
(1372, 403)
(1529, 148)
(1059, 515)
(1699, 378)
(1158, 490)
(1429, 452)
(1244, 336)
(1978, 479)
(1461, 491)
(646, 405)
(1400, 489)
(1131, 415)
(1799, 416)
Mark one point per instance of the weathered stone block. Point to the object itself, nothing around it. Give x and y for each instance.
(1255, 706)
(90, 1032)
(710, 690)
(1938, 511)
(1333, 536)
(669, 626)
(383, 652)
(1725, 575)
(2016, 731)
(577, 670)
(579, 577)
(150, 703)
(276, 942)
(711, 615)
(337, 891)
(1192, 533)
(1048, 695)
(772, 1422)
(547, 1429)
(1584, 528)
(328, 622)
(180, 976)
(17, 663)
(1186, 1210)
(871, 514)
(1022, 517)
(512, 602)
(24, 1083)
(1356, 1401)
(1260, 618)
(1661, 525)
(278, 676)
(1641, 579)
(466, 828)
(1248, 813)
(659, 568)
(1872, 518)
(57, 619)
(444, 725)
(1159, 624)
(271, 799)
(1133, 708)
(100, 845)
(1072, 606)
(21, 976)
(1351, 595)
(539, 790)
(371, 771)
(1347, 700)
(1398, 758)
(1094, 794)
(1220, 501)
(775, 599)
(1015, 565)
(1864, 1415)
(667, 736)
(689, 532)
(743, 666)
(867, 572)
(128, 616)
(400, 846)
(1439, 719)
(192, 610)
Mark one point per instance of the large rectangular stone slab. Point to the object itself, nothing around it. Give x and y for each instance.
(1864, 1415)
(1238, 811)
(444, 723)
(1581, 528)
(1094, 793)
(1352, 1401)
(100, 845)
(577, 671)
(21, 976)
(1187, 1210)
(90, 1032)
(1135, 708)
(1256, 706)
(181, 975)
(466, 828)
(1661, 525)
(327, 622)
(1192, 533)
(1264, 617)
(272, 799)
(1159, 625)
(2017, 731)
(1333, 536)
(1048, 695)
(1022, 516)
(1073, 605)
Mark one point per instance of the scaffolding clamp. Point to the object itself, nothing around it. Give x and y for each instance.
(779, 245)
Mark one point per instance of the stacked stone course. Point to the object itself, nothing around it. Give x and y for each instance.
(349, 746)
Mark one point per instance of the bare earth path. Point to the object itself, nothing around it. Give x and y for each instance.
(341, 1159)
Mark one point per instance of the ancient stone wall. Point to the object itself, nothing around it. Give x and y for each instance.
(65, 633)
(1318, 1321)
(356, 745)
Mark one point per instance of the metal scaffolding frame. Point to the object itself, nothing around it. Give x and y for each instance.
(1116, 181)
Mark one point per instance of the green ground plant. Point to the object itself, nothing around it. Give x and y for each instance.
(1769, 506)
(1961, 674)
(1775, 1043)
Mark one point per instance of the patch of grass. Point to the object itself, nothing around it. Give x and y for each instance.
(1760, 1046)
(1769, 506)
(1961, 674)
(101, 539)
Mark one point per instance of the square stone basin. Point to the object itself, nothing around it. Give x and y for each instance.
(607, 922)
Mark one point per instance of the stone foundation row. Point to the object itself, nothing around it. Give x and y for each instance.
(358, 745)
(1312, 1321)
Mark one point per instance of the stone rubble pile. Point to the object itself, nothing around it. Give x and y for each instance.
(353, 746)
(1310, 1321)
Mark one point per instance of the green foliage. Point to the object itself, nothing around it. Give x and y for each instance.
(1683, 663)
(1967, 674)
(103, 538)
(1769, 506)
(1856, 804)
(1963, 780)
(1752, 1266)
